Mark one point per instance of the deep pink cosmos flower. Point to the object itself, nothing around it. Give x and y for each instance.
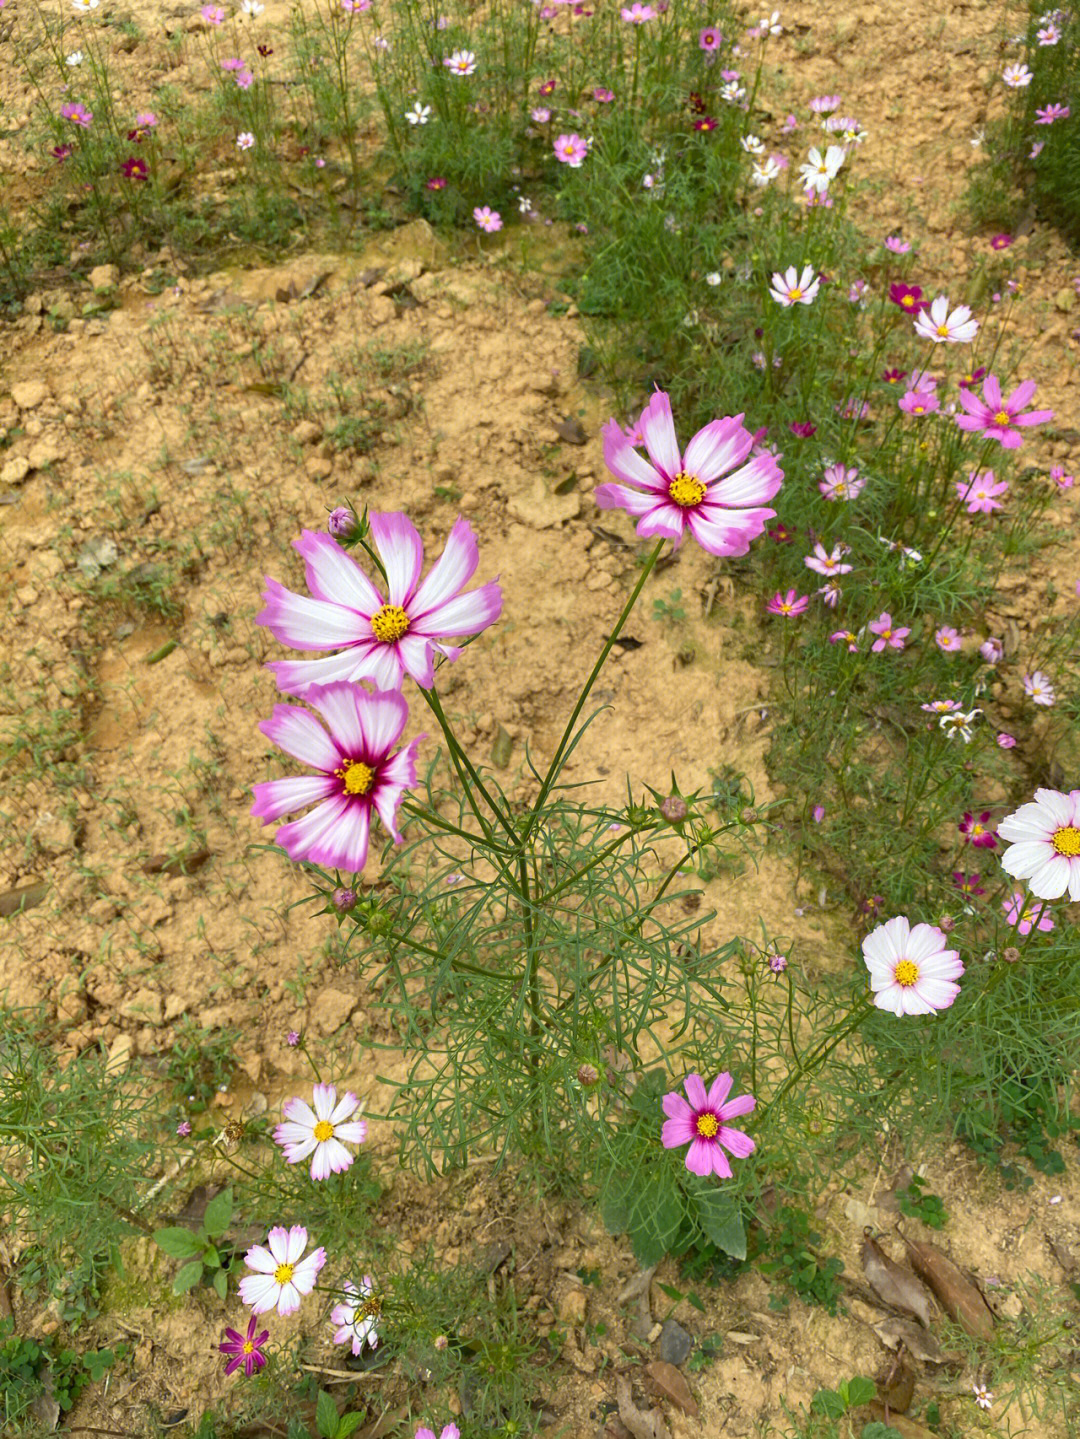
(981, 493)
(703, 1125)
(976, 830)
(919, 402)
(380, 639)
(354, 773)
(134, 168)
(1001, 242)
(893, 377)
(998, 419)
(803, 429)
(710, 38)
(968, 883)
(787, 605)
(691, 491)
(78, 115)
(908, 297)
(245, 1349)
(887, 635)
(1050, 113)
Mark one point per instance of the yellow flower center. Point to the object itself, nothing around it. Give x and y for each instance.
(686, 490)
(283, 1274)
(1067, 840)
(248, 1348)
(943, 331)
(906, 973)
(977, 829)
(323, 1131)
(1002, 418)
(358, 777)
(908, 302)
(371, 1308)
(795, 294)
(708, 1126)
(389, 623)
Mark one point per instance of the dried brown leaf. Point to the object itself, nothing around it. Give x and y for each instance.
(894, 1284)
(923, 1346)
(642, 1423)
(906, 1428)
(955, 1292)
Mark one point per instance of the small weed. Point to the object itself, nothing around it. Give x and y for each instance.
(915, 1202)
(795, 1258)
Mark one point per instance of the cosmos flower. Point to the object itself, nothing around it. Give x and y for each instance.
(820, 170)
(461, 62)
(357, 1316)
(791, 288)
(1023, 915)
(942, 326)
(282, 1277)
(887, 635)
(908, 297)
(1038, 688)
(911, 971)
(838, 483)
(703, 1125)
(998, 419)
(981, 493)
(825, 562)
(245, 1349)
(487, 218)
(1017, 76)
(787, 605)
(571, 150)
(321, 1132)
(1044, 844)
(976, 830)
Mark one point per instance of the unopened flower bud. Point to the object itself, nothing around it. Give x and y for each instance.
(588, 1075)
(1010, 955)
(441, 1342)
(748, 815)
(344, 899)
(946, 924)
(342, 523)
(292, 1039)
(673, 808)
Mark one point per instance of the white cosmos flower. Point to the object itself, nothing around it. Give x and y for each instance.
(1044, 846)
(820, 169)
(357, 1316)
(321, 1132)
(282, 1277)
(75, 58)
(753, 144)
(418, 115)
(911, 971)
(764, 171)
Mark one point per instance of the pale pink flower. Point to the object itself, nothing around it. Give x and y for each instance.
(487, 218)
(1044, 844)
(937, 323)
(919, 402)
(825, 104)
(245, 140)
(1006, 741)
(847, 637)
(791, 288)
(321, 1132)
(282, 1277)
(637, 14)
(357, 1316)
(571, 150)
(461, 62)
(671, 492)
(947, 639)
(830, 593)
(1050, 113)
(703, 1125)
(981, 493)
(911, 971)
(828, 562)
(213, 14)
(380, 639)
(1039, 688)
(1017, 76)
(837, 483)
(983, 1398)
(1024, 915)
(992, 650)
(887, 635)
(896, 244)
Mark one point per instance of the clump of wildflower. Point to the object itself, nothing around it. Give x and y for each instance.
(702, 1123)
(911, 971)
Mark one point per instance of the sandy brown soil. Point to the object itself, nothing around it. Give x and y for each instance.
(151, 486)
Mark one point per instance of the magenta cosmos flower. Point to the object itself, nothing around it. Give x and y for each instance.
(322, 1131)
(78, 115)
(680, 492)
(1044, 844)
(282, 1276)
(919, 402)
(997, 419)
(1022, 914)
(355, 773)
(245, 1349)
(382, 639)
(788, 605)
(911, 971)
(976, 830)
(703, 1125)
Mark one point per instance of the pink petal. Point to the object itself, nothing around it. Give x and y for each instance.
(695, 1092)
(676, 1107)
(309, 624)
(992, 393)
(1021, 396)
(462, 615)
(402, 552)
(276, 797)
(706, 1157)
(727, 532)
(451, 572)
(658, 428)
(296, 1245)
(340, 705)
(678, 1131)
(741, 1104)
(415, 653)
(624, 462)
(358, 662)
(335, 835)
(717, 448)
(754, 484)
(301, 735)
(736, 1142)
(383, 716)
(332, 574)
(621, 497)
(720, 1087)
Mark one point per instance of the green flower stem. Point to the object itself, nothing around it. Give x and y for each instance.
(464, 766)
(806, 1066)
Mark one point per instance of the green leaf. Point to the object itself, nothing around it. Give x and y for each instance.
(672, 1293)
(188, 1277)
(326, 1415)
(348, 1422)
(860, 1391)
(615, 1203)
(721, 1219)
(221, 1283)
(211, 1258)
(179, 1243)
(829, 1403)
(692, 1298)
(218, 1213)
(876, 1430)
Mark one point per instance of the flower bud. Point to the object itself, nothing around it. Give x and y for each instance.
(441, 1342)
(673, 808)
(1010, 955)
(344, 899)
(588, 1075)
(342, 523)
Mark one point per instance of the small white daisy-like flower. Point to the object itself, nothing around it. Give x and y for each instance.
(958, 723)
(321, 1132)
(1044, 844)
(1038, 688)
(357, 1316)
(770, 25)
(791, 288)
(245, 140)
(983, 1397)
(753, 144)
(938, 324)
(764, 172)
(85, 6)
(461, 62)
(911, 971)
(714, 277)
(1017, 77)
(821, 169)
(282, 1275)
(419, 114)
(75, 58)
(251, 7)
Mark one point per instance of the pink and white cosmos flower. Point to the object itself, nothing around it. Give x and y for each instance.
(997, 419)
(828, 562)
(571, 150)
(354, 773)
(911, 971)
(791, 288)
(691, 491)
(1044, 844)
(703, 1125)
(282, 1277)
(321, 1132)
(380, 639)
(938, 324)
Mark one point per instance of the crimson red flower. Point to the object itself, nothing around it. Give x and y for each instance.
(893, 377)
(908, 297)
(135, 169)
(706, 124)
(804, 429)
(972, 377)
(696, 104)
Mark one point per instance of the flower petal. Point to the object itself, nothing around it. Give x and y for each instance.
(450, 573)
(334, 576)
(402, 552)
(301, 735)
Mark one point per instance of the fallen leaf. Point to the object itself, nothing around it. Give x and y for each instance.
(923, 1346)
(642, 1423)
(668, 1383)
(892, 1283)
(896, 1385)
(955, 1292)
(23, 896)
(906, 1428)
(572, 431)
(186, 862)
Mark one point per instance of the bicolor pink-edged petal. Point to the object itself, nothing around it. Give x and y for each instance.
(705, 1157)
(297, 1151)
(301, 735)
(353, 1131)
(309, 624)
(913, 1000)
(924, 940)
(340, 706)
(258, 1292)
(727, 532)
(323, 1099)
(741, 1104)
(466, 614)
(335, 834)
(451, 572)
(658, 430)
(736, 1142)
(277, 1241)
(288, 1299)
(719, 1090)
(261, 1260)
(358, 662)
(452, 652)
(397, 775)
(295, 1140)
(296, 1244)
(621, 497)
(299, 1112)
(337, 1156)
(344, 1106)
(383, 715)
(307, 1271)
(678, 1130)
(277, 797)
(666, 520)
(1021, 395)
(402, 552)
(623, 460)
(1050, 878)
(753, 484)
(332, 574)
(938, 993)
(695, 1092)
(992, 392)
(415, 652)
(717, 448)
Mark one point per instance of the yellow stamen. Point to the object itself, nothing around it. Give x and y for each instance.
(708, 1125)
(283, 1274)
(686, 490)
(795, 294)
(1002, 418)
(389, 623)
(323, 1131)
(1067, 840)
(248, 1348)
(358, 777)
(906, 973)
(943, 331)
